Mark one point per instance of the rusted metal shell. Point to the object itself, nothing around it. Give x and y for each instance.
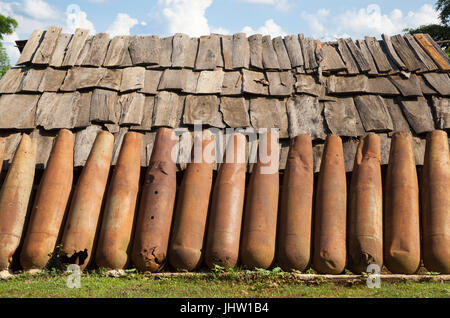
(154, 219)
(50, 204)
(365, 221)
(14, 199)
(115, 234)
(260, 217)
(83, 217)
(186, 245)
(225, 221)
(329, 255)
(294, 234)
(436, 204)
(401, 218)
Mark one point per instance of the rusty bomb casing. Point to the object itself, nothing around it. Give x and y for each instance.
(329, 256)
(365, 220)
(151, 239)
(225, 221)
(186, 246)
(50, 204)
(436, 204)
(14, 198)
(294, 234)
(260, 216)
(114, 241)
(401, 218)
(83, 217)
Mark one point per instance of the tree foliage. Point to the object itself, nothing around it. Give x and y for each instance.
(7, 26)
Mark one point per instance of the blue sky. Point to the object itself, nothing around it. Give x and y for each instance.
(324, 19)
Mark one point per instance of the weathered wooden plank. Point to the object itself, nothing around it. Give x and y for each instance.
(31, 47)
(97, 51)
(343, 118)
(350, 63)
(256, 51)
(240, 52)
(227, 51)
(331, 60)
(165, 58)
(31, 80)
(148, 141)
(393, 53)
(255, 83)
(381, 86)
(267, 113)
(232, 83)
(373, 113)
(305, 115)
(308, 84)
(420, 53)
(368, 56)
(173, 79)
(168, 110)
(440, 82)
(111, 79)
(126, 62)
(17, 111)
(60, 49)
(294, 50)
(309, 53)
(81, 78)
(116, 51)
(57, 111)
(426, 88)
(235, 112)
(280, 83)
(151, 82)
(269, 56)
(358, 55)
(350, 147)
(104, 107)
(192, 77)
(44, 141)
(418, 114)
(406, 55)
(348, 84)
(52, 80)
(75, 46)
(145, 50)
(146, 124)
(398, 119)
(85, 51)
(112, 128)
(118, 140)
(132, 79)
(282, 54)
(190, 54)
(11, 141)
(394, 66)
(84, 141)
(210, 82)
(409, 87)
(436, 54)
(45, 51)
(377, 53)
(180, 44)
(204, 109)
(132, 108)
(84, 110)
(10, 82)
(209, 54)
(441, 107)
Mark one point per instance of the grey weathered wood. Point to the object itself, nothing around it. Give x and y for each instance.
(392, 53)
(132, 79)
(30, 48)
(227, 51)
(235, 112)
(408, 87)
(348, 84)
(374, 114)
(118, 140)
(146, 124)
(85, 51)
(11, 141)
(418, 114)
(97, 51)
(419, 146)
(381, 86)
(45, 51)
(191, 53)
(52, 80)
(256, 51)
(10, 82)
(240, 52)
(127, 62)
(294, 50)
(420, 53)
(145, 50)
(394, 66)
(305, 117)
(280, 83)
(358, 55)
(406, 55)
(104, 106)
(17, 111)
(309, 53)
(191, 81)
(210, 82)
(440, 82)
(377, 53)
(282, 54)
(255, 83)
(426, 88)
(84, 141)
(343, 118)
(57, 111)
(84, 110)
(112, 128)
(180, 44)
(399, 121)
(368, 56)
(132, 108)
(350, 147)
(232, 83)
(267, 113)
(75, 46)
(204, 109)
(269, 56)
(151, 82)
(173, 79)
(116, 51)
(168, 110)
(441, 107)
(60, 49)
(308, 84)
(148, 141)
(165, 57)
(81, 78)
(331, 60)
(31, 80)
(44, 141)
(111, 79)
(209, 55)
(350, 63)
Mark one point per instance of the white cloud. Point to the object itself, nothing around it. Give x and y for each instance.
(282, 5)
(76, 18)
(269, 28)
(122, 25)
(40, 10)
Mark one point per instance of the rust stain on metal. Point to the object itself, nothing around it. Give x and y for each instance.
(50, 204)
(294, 235)
(154, 219)
(436, 204)
(225, 221)
(118, 217)
(329, 256)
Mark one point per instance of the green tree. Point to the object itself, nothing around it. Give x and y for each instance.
(7, 26)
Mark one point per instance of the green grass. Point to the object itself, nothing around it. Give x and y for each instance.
(94, 284)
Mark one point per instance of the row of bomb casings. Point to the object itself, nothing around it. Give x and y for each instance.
(356, 239)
